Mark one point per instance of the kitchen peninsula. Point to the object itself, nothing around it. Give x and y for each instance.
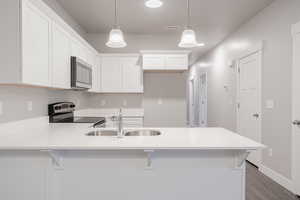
(42, 161)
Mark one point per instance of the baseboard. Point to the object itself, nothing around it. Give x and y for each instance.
(277, 177)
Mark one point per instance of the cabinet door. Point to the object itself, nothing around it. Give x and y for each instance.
(36, 29)
(176, 62)
(78, 50)
(111, 75)
(61, 67)
(153, 62)
(95, 74)
(23, 175)
(132, 75)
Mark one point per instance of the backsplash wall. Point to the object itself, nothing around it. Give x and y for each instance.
(16, 100)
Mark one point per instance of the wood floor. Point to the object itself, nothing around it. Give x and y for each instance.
(260, 187)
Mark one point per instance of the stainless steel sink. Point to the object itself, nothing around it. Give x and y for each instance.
(143, 133)
(102, 133)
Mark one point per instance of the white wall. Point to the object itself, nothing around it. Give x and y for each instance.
(64, 15)
(273, 26)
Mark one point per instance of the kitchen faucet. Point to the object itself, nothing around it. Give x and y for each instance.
(119, 119)
(120, 125)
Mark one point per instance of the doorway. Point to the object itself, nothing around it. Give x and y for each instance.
(249, 98)
(296, 110)
(198, 100)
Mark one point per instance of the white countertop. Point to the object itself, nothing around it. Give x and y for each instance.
(38, 134)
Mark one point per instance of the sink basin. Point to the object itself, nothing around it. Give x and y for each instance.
(102, 133)
(143, 133)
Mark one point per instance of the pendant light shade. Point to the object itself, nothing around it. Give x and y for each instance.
(188, 37)
(153, 3)
(116, 37)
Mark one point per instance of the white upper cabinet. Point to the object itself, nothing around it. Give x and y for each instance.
(96, 73)
(132, 75)
(176, 62)
(39, 45)
(61, 53)
(153, 62)
(36, 30)
(165, 60)
(121, 74)
(111, 75)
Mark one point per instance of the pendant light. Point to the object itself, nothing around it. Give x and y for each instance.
(116, 37)
(153, 3)
(188, 37)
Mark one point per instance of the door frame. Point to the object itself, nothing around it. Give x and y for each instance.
(206, 82)
(257, 48)
(191, 101)
(294, 31)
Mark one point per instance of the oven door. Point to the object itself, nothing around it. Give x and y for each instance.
(81, 74)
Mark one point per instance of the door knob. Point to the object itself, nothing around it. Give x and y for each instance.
(256, 115)
(296, 122)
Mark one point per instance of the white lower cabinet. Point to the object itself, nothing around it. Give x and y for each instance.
(121, 174)
(121, 74)
(23, 175)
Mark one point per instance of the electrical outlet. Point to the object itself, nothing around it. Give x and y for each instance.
(29, 106)
(270, 104)
(160, 101)
(103, 102)
(77, 103)
(270, 152)
(1, 108)
(124, 102)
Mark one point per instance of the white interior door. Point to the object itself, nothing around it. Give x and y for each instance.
(249, 98)
(203, 100)
(296, 110)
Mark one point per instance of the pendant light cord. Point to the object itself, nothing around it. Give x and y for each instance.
(188, 14)
(116, 14)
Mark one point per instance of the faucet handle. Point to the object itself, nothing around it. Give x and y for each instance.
(113, 118)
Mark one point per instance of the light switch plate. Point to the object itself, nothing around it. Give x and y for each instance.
(29, 106)
(270, 152)
(270, 104)
(1, 108)
(124, 102)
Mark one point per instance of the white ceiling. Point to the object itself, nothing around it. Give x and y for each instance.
(212, 19)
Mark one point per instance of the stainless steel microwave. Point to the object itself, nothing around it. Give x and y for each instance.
(81, 74)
